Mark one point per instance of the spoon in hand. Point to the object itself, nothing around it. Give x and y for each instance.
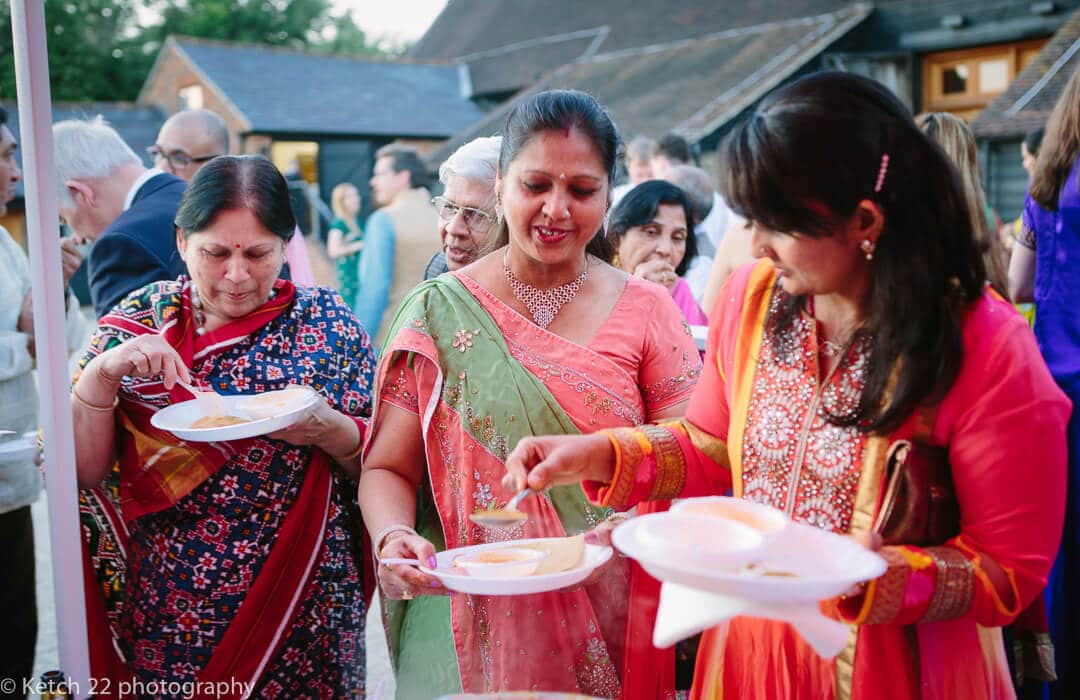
(210, 402)
(503, 517)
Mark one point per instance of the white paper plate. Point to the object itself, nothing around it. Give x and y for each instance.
(19, 449)
(177, 419)
(595, 556)
(825, 565)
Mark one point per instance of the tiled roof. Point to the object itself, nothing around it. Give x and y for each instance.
(689, 86)
(508, 45)
(137, 125)
(281, 91)
(1032, 95)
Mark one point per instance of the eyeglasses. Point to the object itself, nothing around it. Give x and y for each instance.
(177, 159)
(477, 220)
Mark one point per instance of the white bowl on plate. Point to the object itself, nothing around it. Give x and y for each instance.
(506, 562)
(712, 542)
(765, 519)
(462, 582)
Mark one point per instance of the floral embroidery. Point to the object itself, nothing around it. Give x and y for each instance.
(463, 339)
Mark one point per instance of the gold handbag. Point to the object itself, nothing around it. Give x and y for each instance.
(919, 507)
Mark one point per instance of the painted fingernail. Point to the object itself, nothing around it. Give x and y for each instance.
(436, 584)
(431, 563)
(591, 538)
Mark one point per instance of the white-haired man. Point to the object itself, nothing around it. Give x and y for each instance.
(109, 197)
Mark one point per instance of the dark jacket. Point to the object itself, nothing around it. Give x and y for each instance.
(139, 247)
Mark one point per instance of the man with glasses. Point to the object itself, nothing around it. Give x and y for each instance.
(466, 209)
(109, 197)
(189, 140)
(399, 238)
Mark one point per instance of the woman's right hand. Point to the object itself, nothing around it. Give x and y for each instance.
(145, 356)
(404, 582)
(540, 462)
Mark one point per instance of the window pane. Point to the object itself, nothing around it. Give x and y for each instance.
(954, 80)
(994, 75)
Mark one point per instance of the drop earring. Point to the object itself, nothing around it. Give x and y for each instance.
(868, 248)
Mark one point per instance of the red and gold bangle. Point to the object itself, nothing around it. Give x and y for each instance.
(954, 591)
(630, 452)
(670, 463)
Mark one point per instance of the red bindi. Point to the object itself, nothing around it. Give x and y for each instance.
(238, 246)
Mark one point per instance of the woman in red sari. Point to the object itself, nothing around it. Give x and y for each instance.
(229, 562)
(867, 321)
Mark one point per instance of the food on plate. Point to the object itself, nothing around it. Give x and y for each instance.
(218, 421)
(563, 553)
(275, 403)
(764, 519)
(502, 562)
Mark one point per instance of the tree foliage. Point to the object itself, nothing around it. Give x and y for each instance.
(104, 49)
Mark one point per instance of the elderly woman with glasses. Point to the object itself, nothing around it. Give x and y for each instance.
(466, 207)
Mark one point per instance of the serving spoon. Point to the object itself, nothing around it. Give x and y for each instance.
(502, 518)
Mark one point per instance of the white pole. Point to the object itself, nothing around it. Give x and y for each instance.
(35, 121)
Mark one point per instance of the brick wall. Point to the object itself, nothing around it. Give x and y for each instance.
(174, 73)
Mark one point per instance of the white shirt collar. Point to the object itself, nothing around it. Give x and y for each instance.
(139, 182)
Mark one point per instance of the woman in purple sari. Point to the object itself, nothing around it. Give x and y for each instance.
(1045, 268)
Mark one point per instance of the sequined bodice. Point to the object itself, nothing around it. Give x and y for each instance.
(792, 457)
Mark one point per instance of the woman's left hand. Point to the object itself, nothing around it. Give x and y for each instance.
(323, 426)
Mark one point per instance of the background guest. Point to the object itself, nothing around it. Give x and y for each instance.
(712, 219)
(20, 479)
(671, 150)
(107, 196)
(653, 239)
(466, 208)
(1045, 268)
(399, 237)
(957, 140)
(638, 166)
(345, 239)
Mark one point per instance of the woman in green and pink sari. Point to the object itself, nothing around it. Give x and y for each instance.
(540, 336)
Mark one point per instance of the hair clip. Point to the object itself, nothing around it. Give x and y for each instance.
(881, 172)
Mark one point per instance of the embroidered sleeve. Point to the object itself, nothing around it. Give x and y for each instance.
(671, 363)
(921, 585)
(399, 388)
(654, 463)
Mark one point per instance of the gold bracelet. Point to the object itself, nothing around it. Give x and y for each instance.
(379, 541)
(93, 406)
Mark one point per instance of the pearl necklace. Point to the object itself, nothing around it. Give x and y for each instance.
(544, 304)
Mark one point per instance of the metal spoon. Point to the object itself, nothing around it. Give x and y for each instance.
(503, 517)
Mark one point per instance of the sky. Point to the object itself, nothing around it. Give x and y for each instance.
(405, 20)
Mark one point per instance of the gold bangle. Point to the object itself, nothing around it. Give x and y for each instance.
(93, 406)
(379, 541)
